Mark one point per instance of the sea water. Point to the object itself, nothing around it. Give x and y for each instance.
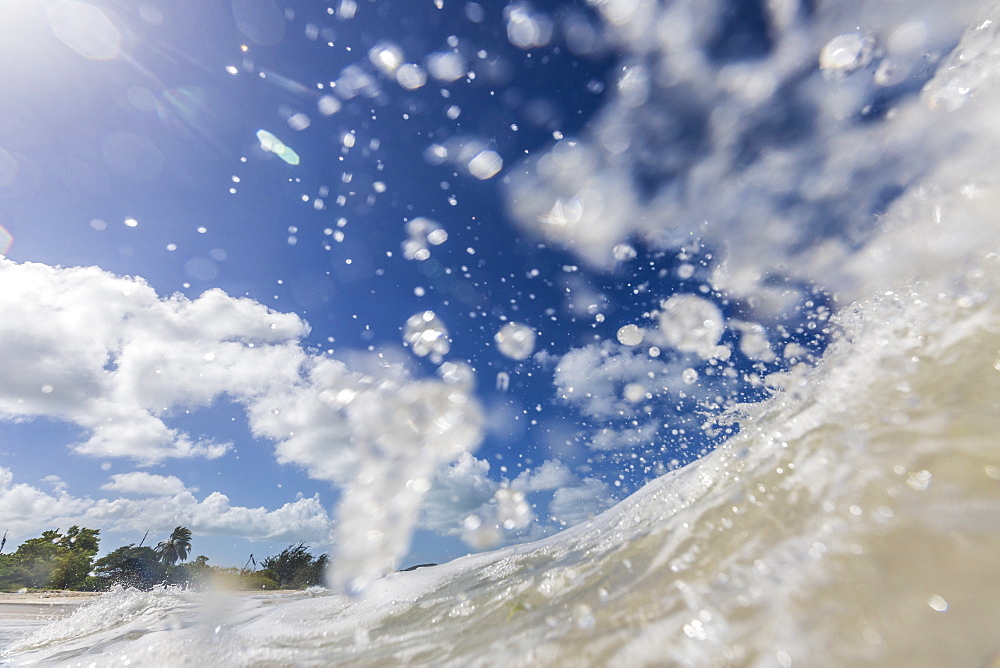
(854, 518)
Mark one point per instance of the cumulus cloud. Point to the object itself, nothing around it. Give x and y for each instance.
(572, 505)
(552, 474)
(25, 508)
(108, 354)
(302, 519)
(58, 484)
(609, 380)
(629, 395)
(593, 377)
(145, 484)
(624, 437)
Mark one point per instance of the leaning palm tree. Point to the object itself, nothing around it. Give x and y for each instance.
(176, 547)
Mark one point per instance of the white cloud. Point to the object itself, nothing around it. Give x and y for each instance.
(335, 421)
(26, 509)
(145, 484)
(572, 505)
(593, 378)
(624, 438)
(632, 395)
(58, 484)
(106, 353)
(503, 512)
(552, 474)
(302, 519)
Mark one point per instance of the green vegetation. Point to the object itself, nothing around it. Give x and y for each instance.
(53, 561)
(66, 561)
(176, 547)
(295, 568)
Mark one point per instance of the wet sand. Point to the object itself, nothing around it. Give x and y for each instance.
(42, 605)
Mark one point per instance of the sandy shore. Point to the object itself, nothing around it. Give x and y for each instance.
(20, 612)
(47, 597)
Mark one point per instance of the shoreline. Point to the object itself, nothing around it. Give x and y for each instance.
(70, 597)
(55, 597)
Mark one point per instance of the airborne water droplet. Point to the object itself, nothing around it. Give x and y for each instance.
(426, 335)
(846, 53)
(630, 335)
(691, 324)
(503, 381)
(624, 252)
(516, 341)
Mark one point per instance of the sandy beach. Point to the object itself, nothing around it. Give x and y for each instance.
(47, 597)
(42, 605)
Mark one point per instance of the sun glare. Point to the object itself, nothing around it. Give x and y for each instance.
(84, 28)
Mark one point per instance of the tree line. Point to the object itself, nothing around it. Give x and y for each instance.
(58, 560)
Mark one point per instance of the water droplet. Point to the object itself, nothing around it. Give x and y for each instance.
(630, 335)
(846, 53)
(410, 76)
(691, 324)
(426, 335)
(328, 105)
(422, 232)
(386, 56)
(503, 381)
(485, 165)
(299, 122)
(624, 252)
(937, 603)
(515, 341)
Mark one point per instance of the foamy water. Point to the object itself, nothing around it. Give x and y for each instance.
(855, 517)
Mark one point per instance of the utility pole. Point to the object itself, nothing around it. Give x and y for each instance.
(249, 561)
(4, 541)
(143, 538)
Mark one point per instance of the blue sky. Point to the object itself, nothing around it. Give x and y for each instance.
(130, 141)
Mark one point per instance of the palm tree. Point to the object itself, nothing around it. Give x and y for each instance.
(176, 547)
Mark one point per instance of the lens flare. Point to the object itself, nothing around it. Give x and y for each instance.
(85, 29)
(269, 142)
(6, 241)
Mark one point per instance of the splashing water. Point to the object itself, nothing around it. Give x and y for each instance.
(852, 517)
